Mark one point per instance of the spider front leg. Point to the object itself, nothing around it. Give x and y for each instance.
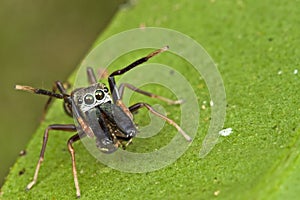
(111, 78)
(52, 94)
(61, 87)
(137, 106)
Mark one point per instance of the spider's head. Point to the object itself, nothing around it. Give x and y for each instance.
(91, 96)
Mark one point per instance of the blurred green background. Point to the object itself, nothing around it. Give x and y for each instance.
(40, 42)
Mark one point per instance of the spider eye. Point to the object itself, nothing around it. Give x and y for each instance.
(99, 94)
(105, 89)
(88, 99)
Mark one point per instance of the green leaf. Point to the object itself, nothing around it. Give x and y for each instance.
(256, 46)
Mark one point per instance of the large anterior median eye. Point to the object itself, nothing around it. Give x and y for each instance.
(88, 99)
(99, 94)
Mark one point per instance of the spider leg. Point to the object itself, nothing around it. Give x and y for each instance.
(111, 78)
(62, 89)
(62, 127)
(135, 89)
(39, 91)
(52, 94)
(73, 139)
(137, 106)
(91, 76)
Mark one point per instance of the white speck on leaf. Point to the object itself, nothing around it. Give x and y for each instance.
(225, 132)
(216, 193)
